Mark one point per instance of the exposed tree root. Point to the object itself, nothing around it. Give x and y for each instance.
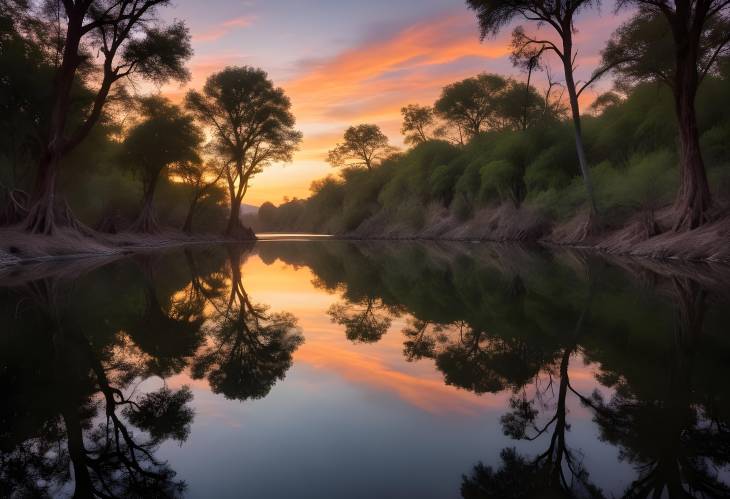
(147, 222)
(46, 216)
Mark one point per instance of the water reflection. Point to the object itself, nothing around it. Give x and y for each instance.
(75, 354)
(633, 355)
(512, 321)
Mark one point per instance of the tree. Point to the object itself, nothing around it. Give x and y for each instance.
(364, 320)
(678, 43)
(362, 146)
(165, 137)
(249, 348)
(494, 14)
(252, 125)
(471, 104)
(131, 42)
(202, 177)
(416, 123)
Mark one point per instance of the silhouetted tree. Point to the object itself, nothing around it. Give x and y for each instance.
(250, 349)
(471, 104)
(203, 178)
(362, 146)
(131, 42)
(364, 320)
(417, 122)
(164, 138)
(253, 127)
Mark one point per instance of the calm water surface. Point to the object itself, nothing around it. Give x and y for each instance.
(332, 369)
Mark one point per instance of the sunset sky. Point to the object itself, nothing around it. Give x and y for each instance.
(345, 63)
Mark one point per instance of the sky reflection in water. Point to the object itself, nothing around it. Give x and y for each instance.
(378, 370)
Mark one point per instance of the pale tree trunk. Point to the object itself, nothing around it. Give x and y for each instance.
(693, 198)
(577, 128)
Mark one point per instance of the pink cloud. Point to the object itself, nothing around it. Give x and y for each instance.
(223, 29)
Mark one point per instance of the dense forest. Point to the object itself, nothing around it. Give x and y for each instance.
(631, 141)
(90, 145)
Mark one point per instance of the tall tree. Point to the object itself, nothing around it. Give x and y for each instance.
(417, 120)
(362, 146)
(164, 138)
(558, 15)
(131, 42)
(677, 42)
(253, 127)
(471, 104)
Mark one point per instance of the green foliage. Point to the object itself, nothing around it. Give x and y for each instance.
(361, 146)
(165, 136)
(632, 141)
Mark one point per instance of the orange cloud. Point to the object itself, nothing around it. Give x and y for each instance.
(398, 65)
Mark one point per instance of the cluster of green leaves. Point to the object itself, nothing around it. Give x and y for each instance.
(630, 139)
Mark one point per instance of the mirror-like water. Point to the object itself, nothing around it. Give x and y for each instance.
(334, 369)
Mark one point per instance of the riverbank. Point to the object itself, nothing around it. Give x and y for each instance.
(19, 248)
(646, 236)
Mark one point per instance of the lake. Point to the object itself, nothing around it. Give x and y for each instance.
(323, 368)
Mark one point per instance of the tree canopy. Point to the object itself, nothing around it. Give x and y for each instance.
(361, 146)
(252, 125)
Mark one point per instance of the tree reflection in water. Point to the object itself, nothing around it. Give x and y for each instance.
(80, 422)
(495, 318)
(249, 348)
(74, 418)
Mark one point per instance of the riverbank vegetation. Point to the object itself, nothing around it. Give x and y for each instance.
(88, 146)
(495, 158)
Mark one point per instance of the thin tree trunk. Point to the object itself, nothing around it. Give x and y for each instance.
(577, 128)
(83, 487)
(188, 225)
(693, 198)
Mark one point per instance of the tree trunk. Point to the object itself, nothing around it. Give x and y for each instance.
(693, 198)
(188, 225)
(46, 212)
(577, 128)
(234, 219)
(147, 221)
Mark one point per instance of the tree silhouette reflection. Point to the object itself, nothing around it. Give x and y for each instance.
(497, 319)
(249, 348)
(79, 412)
(365, 321)
(81, 425)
